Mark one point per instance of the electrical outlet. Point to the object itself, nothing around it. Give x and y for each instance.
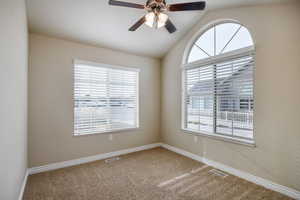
(195, 139)
(110, 137)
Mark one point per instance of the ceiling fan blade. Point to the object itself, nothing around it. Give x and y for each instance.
(187, 6)
(125, 4)
(138, 24)
(170, 26)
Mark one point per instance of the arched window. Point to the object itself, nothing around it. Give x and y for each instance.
(220, 39)
(218, 83)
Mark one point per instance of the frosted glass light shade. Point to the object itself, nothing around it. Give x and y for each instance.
(156, 21)
(150, 17)
(162, 19)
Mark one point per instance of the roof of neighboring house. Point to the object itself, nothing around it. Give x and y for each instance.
(202, 87)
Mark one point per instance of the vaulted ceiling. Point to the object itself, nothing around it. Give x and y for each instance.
(95, 22)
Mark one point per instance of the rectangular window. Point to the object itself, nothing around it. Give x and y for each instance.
(105, 98)
(218, 98)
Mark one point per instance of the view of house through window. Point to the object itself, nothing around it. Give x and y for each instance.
(218, 83)
(105, 98)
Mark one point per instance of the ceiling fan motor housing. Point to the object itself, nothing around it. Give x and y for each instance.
(156, 6)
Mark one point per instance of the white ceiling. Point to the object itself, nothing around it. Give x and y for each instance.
(95, 22)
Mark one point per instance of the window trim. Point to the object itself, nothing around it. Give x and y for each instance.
(221, 58)
(97, 64)
(207, 61)
(250, 143)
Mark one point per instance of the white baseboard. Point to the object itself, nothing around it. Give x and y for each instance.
(182, 152)
(53, 166)
(244, 175)
(23, 186)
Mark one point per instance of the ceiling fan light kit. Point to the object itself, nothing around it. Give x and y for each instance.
(156, 20)
(155, 17)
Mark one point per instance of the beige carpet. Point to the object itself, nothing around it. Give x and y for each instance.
(155, 174)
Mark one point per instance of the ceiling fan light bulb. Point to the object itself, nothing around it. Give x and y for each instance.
(150, 17)
(162, 19)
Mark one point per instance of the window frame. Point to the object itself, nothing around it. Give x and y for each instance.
(97, 64)
(209, 61)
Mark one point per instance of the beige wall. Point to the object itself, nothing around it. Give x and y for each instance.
(13, 97)
(276, 31)
(51, 106)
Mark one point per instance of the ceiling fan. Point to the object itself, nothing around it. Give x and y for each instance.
(156, 9)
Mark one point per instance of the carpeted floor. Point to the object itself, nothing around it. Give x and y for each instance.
(155, 174)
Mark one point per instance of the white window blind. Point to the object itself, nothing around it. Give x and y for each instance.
(105, 98)
(218, 97)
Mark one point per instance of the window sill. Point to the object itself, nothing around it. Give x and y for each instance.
(245, 142)
(106, 132)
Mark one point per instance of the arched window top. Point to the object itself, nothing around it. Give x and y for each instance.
(219, 39)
